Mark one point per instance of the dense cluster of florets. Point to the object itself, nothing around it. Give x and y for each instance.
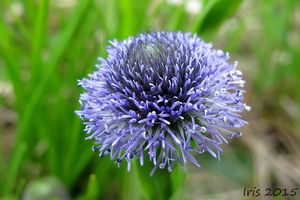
(167, 95)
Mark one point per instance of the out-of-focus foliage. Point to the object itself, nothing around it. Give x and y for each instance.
(46, 45)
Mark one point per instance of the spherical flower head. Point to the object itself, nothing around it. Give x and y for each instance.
(165, 95)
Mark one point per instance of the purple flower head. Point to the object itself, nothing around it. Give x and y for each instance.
(166, 95)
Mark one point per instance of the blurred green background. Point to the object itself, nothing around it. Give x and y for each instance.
(47, 45)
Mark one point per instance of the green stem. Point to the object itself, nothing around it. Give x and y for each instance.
(131, 189)
(156, 187)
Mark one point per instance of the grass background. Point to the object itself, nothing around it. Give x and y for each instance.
(47, 45)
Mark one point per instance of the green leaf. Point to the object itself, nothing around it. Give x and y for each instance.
(127, 15)
(2, 167)
(85, 157)
(109, 18)
(178, 177)
(20, 187)
(214, 13)
(93, 188)
(8, 54)
(56, 54)
(38, 39)
(13, 167)
(156, 187)
(131, 190)
(177, 19)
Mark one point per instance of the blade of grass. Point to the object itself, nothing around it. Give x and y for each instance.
(113, 19)
(73, 150)
(235, 37)
(20, 187)
(177, 178)
(57, 51)
(213, 14)
(153, 13)
(126, 12)
(8, 55)
(92, 189)
(141, 8)
(38, 91)
(277, 41)
(13, 168)
(220, 12)
(103, 169)
(21, 26)
(2, 167)
(13, 74)
(131, 189)
(39, 35)
(85, 156)
(85, 36)
(47, 134)
(176, 21)
(109, 18)
(29, 10)
(156, 187)
(207, 6)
